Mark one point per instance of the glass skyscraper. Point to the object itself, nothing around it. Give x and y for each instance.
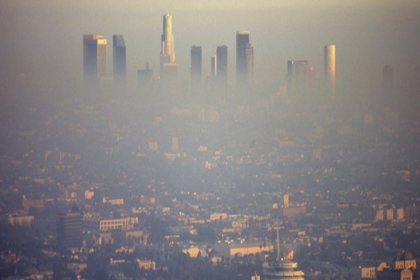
(119, 57)
(94, 56)
(244, 56)
(167, 53)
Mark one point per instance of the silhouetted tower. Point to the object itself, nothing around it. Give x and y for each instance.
(222, 62)
(244, 57)
(119, 57)
(196, 63)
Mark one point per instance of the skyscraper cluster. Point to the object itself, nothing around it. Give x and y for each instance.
(94, 61)
(94, 57)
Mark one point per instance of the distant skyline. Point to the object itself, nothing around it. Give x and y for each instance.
(368, 36)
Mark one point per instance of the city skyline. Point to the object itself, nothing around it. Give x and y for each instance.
(364, 60)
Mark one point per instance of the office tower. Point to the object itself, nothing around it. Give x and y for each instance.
(222, 62)
(119, 57)
(69, 230)
(167, 53)
(196, 63)
(94, 56)
(244, 56)
(388, 78)
(296, 75)
(330, 67)
(213, 64)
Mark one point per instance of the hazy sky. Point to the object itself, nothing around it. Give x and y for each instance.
(43, 38)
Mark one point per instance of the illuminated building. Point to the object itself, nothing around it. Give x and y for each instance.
(94, 56)
(119, 223)
(167, 52)
(330, 67)
(213, 63)
(196, 63)
(119, 57)
(244, 56)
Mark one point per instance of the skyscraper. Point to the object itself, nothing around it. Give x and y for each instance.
(330, 67)
(213, 63)
(94, 56)
(167, 52)
(196, 63)
(69, 230)
(119, 57)
(244, 56)
(222, 62)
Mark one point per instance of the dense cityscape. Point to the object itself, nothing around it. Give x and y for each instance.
(216, 177)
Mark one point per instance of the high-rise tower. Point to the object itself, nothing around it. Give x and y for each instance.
(94, 56)
(119, 57)
(69, 230)
(167, 52)
(244, 56)
(213, 65)
(196, 63)
(330, 67)
(222, 62)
